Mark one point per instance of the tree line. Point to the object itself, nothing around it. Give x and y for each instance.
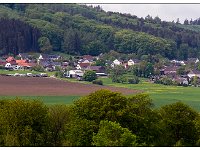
(80, 29)
(17, 37)
(102, 118)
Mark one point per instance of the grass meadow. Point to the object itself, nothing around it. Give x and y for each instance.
(162, 94)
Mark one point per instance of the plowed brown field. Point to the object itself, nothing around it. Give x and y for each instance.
(35, 86)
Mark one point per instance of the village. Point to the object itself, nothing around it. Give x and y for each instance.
(76, 67)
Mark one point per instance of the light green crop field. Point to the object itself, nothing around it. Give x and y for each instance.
(162, 94)
(48, 100)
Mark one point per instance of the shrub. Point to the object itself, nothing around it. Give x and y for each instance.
(38, 68)
(89, 76)
(134, 80)
(59, 74)
(119, 79)
(99, 82)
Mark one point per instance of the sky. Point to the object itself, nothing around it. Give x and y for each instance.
(167, 12)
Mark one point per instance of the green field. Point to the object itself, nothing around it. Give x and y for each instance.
(49, 100)
(160, 94)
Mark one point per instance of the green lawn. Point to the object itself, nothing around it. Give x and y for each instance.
(49, 100)
(2, 71)
(162, 94)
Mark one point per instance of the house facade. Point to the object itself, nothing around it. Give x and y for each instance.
(74, 73)
(194, 73)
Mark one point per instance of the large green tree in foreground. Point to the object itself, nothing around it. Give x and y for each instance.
(102, 118)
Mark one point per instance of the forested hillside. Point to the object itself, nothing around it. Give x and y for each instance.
(79, 29)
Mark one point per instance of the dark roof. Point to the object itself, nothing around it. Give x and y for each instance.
(95, 68)
(84, 65)
(194, 72)
(56, 63)
(192, 59)
(171, 68)
(46, 56)
(24, 55)
(136, 60)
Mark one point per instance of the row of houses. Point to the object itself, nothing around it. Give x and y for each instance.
(84, 63)
(26, 61)
(50, 62)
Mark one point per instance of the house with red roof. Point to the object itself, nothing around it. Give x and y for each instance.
(82, 66)
(25, 64)
(11, 60)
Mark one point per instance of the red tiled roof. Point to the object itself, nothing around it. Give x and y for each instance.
(25, 64)
(21, 61)
(10, 58)
(84, 65)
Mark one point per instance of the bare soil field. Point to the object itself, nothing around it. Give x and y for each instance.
(33, 86)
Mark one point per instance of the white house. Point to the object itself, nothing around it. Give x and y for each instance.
(8, 65)
(130, 62)
(194, 73)
(74, 73)
(182, 63)
(116, 62)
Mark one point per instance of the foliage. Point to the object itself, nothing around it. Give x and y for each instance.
(112, 134)
(59, 116)
(80, 132)
(165, 81)
(181, 70)
(89, 75)
(23, 123)
(177, 123)
(80, 29)
(133, 80)
(100, 105)
(59, 74)
(45, 45)
(21, 38)
(195, 81)
(100, 62)
(134, 113)
(38, 68)
(116, 74)
(99, 82)
(102, 118)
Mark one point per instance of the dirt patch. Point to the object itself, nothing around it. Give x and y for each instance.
(33, 86)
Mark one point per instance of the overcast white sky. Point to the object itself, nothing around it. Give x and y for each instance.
(168, 12)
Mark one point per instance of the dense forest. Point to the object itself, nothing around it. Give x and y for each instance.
(79, 29)
(102, 118)
(17, 36)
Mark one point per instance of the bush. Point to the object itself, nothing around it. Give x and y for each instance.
(134, 80)
(99, 82)
(38, 68)
(59, 74)
(119, 79)
(89, 76)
